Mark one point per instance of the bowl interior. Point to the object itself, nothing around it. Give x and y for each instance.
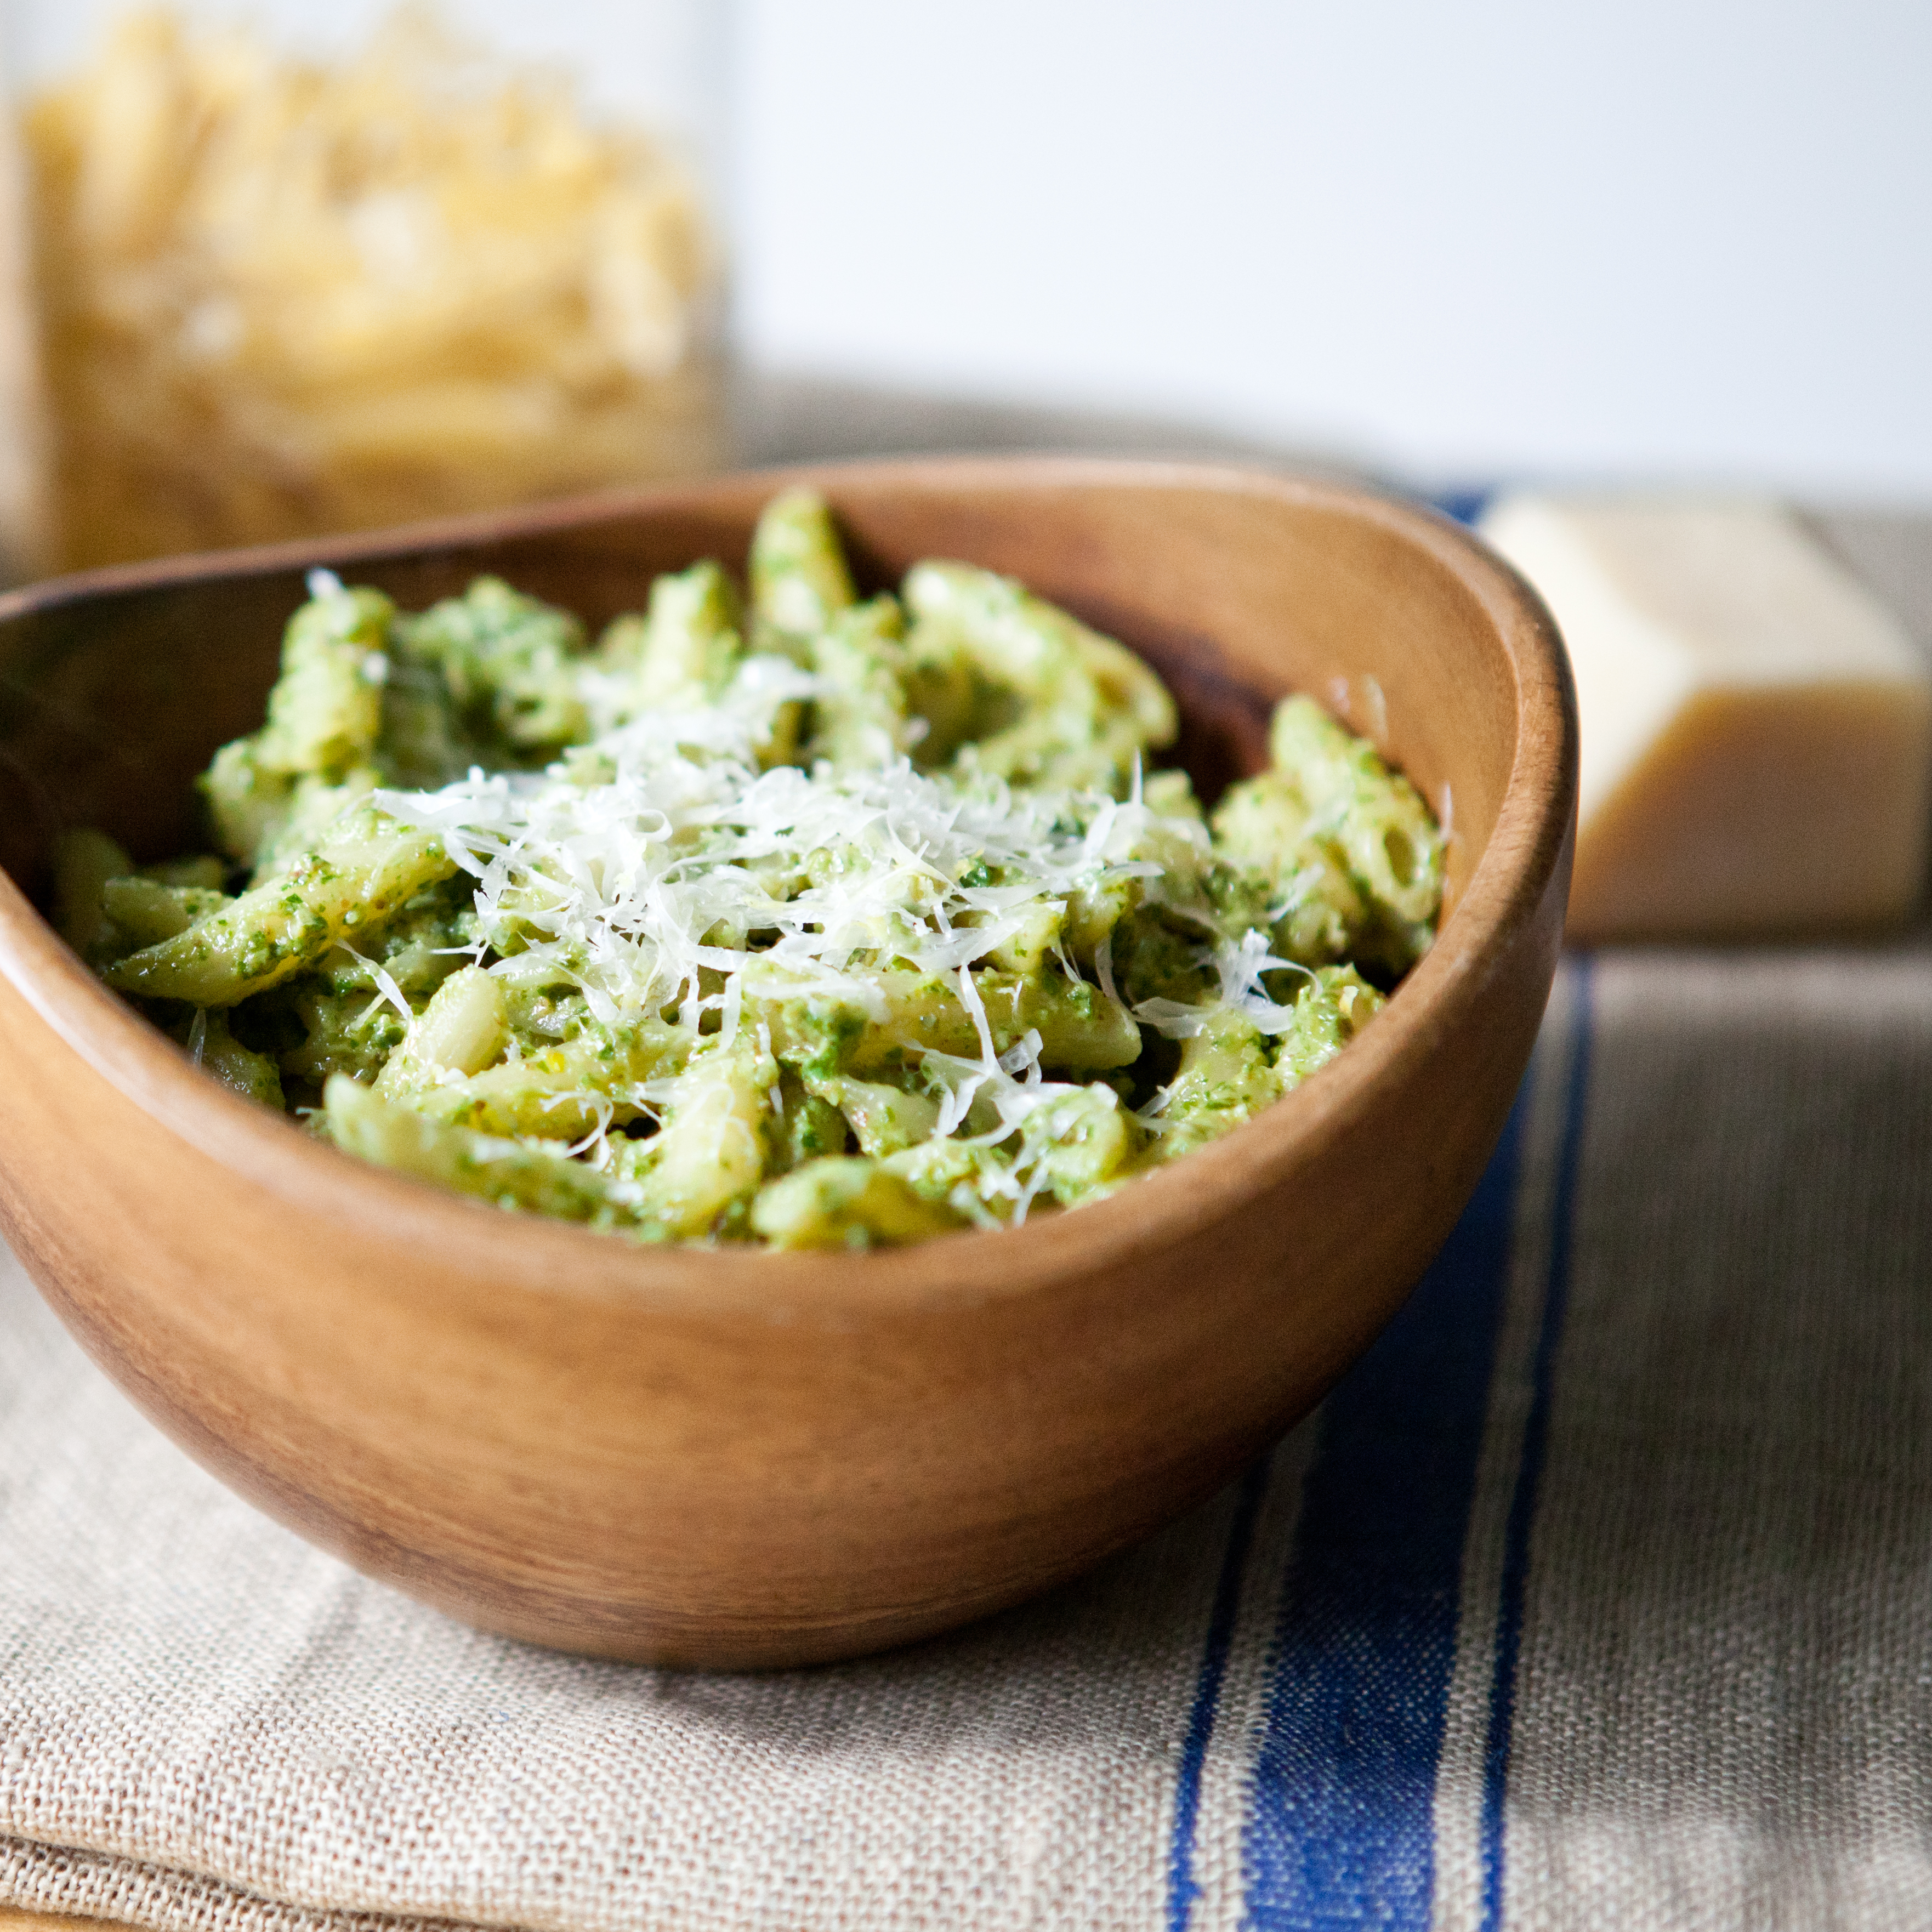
(115, 690)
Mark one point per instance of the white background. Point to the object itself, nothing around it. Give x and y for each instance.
(1691, 240)
(1640, 239)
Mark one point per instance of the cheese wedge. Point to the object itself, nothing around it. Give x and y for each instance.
(1756, 727)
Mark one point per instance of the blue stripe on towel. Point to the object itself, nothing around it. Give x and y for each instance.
(1182, 1887)
(1338, 1829)
(1529, 1470)
(1466, 506)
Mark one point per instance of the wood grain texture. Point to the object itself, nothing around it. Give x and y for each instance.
(735, 1458)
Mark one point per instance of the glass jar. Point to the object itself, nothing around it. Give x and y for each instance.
(277, 267)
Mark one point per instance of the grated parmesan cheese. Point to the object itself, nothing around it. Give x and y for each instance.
(684, 875)
(816, 876)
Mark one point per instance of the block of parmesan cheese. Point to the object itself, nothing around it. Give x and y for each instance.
(1756, 727)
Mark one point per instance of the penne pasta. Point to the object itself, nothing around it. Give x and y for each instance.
(277, 296)
(673, 936)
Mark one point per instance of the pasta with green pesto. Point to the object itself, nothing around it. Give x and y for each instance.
(793, 919)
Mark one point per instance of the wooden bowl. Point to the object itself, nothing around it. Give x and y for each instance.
(738, 1458)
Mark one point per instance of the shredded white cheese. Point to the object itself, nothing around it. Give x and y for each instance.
(661, 867)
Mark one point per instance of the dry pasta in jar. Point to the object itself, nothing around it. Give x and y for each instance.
(276, 295)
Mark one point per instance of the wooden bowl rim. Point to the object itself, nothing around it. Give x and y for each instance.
(838, 1287)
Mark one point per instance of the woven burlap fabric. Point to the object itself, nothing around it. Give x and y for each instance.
(1601, 1592)
(1722, 1701)
(186, 1686)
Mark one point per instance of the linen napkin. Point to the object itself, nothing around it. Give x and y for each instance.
(1599, 1591)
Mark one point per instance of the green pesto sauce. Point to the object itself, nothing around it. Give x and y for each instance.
(327, 956)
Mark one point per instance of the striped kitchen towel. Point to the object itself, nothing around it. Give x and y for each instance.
(1599, 1593)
